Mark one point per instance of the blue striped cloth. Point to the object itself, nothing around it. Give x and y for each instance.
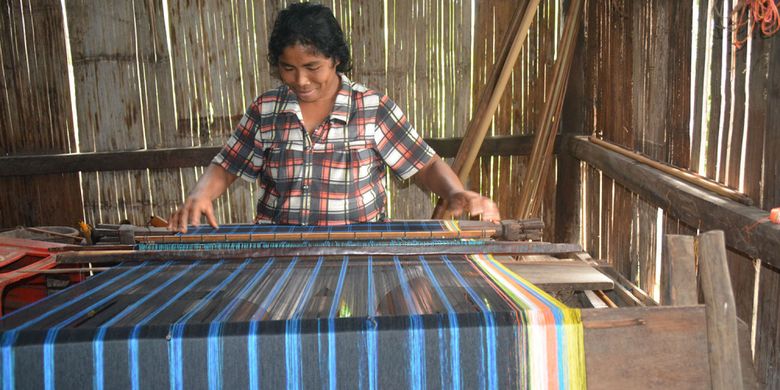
(345, 322)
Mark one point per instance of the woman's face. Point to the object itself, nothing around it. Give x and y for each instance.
(311, 75)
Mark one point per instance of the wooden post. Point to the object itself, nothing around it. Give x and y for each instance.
(678, 273)
(725, 366)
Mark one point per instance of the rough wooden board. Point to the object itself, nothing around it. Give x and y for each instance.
(646, 348)
(721, 312)
(561, 275)
(678, 273)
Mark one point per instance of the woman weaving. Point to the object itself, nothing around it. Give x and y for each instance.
(318, 145)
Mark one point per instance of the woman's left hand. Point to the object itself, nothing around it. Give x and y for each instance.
(470, 203)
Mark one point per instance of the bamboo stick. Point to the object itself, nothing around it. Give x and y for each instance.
(544, 138)
(605, 298)
(491, 95)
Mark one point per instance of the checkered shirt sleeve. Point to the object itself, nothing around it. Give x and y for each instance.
(399, 144)
(242, 154)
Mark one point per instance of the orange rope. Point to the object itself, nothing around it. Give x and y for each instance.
(762, 12)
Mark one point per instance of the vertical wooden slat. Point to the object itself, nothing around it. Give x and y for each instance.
(645, 245)
(699, 87)
(735, 123)
(743, 280)
(678, 272)
(569, 182)
(678, 103)
(717, 97)
(616, 121)
(592, 33)
(768, 321)
(771, 192)
(593, 234)
(768, 328)
(758, 110)
(650, 74)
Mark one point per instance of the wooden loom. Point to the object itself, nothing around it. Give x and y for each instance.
(629, 340)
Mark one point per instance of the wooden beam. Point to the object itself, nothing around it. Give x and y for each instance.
(200, 156)
(497, 248)
(682, 174)
(678, 273)
(725, 365)
(746, 228)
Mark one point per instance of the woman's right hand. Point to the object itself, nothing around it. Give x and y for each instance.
(214, 182)
(192, 210)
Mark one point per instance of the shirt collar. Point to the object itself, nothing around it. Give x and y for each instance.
(342, 108)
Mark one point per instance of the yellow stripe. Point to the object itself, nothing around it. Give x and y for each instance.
(451, 225)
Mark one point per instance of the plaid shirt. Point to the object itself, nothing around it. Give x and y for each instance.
(333, 176)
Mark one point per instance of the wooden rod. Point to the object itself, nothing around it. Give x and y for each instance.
(496, 248)
(64, 271)
(491, 95)
(687, 176)
(605, 298)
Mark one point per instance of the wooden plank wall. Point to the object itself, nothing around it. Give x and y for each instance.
(147, 77)
(637, 93)
(35, 113)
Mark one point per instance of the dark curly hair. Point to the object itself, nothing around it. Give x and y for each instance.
(309, 25)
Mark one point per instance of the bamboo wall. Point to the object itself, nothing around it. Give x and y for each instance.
(167, 74)
(636, 91)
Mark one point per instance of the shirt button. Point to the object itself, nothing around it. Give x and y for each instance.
(305, 187)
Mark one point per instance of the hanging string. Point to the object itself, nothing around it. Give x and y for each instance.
(752, 13)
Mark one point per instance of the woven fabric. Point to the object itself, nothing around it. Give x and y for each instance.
(333, 176)
(352, 322)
